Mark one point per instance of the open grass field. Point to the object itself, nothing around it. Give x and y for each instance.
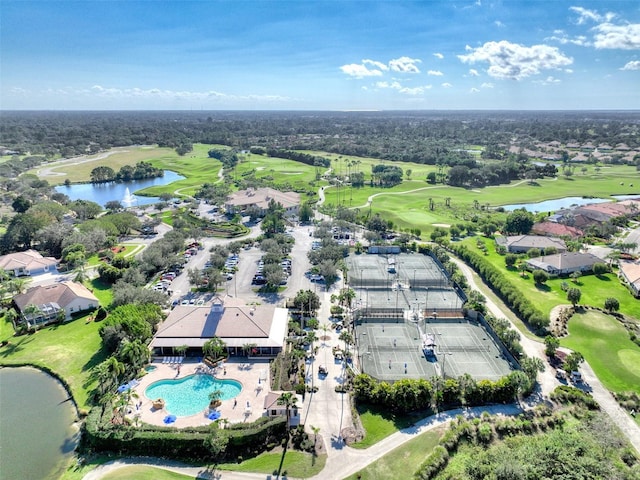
(379, 424)
(280, 171)
(78, 169)
(605, 344)
(295, 464)
(595, 290)
(413, 195)
(401, 462)
(70, 349)
(195, 166)
(140, 472)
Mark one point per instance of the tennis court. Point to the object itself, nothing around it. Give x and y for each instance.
(391, 349)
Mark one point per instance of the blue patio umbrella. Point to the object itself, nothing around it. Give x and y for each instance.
(123, 388)
(214, 415)
(169, 419)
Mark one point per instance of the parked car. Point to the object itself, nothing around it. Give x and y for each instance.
(322, 370)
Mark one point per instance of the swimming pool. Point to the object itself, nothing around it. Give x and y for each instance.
(190, 395)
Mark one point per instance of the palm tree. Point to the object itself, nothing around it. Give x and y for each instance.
(214, 348)
(135, 354)
(214, 398)
(289, 400)
(315, 431)
(31, 314)
(115, 368)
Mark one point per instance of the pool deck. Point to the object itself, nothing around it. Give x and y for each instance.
(247, 372)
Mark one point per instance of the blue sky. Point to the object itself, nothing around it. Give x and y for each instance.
(319, 55)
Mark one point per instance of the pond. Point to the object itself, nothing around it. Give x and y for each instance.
(102, 193)
(554, 205)
(39, 433)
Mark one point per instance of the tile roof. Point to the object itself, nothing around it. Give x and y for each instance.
(28, 260)
(61, 293)
(631, 271)
(556, 229)
(566, 260)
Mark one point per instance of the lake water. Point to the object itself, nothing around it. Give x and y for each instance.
(38, 433)
(102, 193)
(554, 205)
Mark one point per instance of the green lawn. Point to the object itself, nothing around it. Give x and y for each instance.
(605, 344)
(94, 260)
(280, 171)
(80, 172)
(196, 166)
(407, 204)
(379, 424)
(401, 462)
(295, 464)
(69, 349)
(595, 290)
(102, 290)
(140, 472)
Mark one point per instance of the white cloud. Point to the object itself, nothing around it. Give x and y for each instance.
(159, 94)
(375, 63)
(446, 85)
(415, 90)
(474, 90)
(499, 24)
(547, 81)
(359, 71)
(405, 65)
(563, 39)
(585, 15)
(624, 37)
(376, 68)
(435, 73)
(393, 85)
(401, 89)
(632, 65)
(438, 55)
(514, 61)
(473, 72)
(487, 85)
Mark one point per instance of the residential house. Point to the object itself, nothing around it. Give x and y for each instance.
(629, 273)
(524, 243)
(239, 202)
(273, 409)
(52, 302)
(263, 327)
(554, 229)
(26, 263)
(564, 263)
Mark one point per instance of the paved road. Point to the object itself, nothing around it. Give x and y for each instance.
(342, 461)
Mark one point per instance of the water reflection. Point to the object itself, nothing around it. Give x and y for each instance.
(37, 421)
(102, 193)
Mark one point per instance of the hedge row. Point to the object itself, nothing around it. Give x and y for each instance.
(508, 292)
(409, 395)
(249, 439)
(483, 431)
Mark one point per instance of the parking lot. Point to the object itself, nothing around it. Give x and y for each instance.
(240, 284)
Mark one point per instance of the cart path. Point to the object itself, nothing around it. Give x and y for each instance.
(547, 380)
(347, 462)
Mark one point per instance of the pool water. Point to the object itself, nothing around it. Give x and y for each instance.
(150, 368)
(190, 395)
